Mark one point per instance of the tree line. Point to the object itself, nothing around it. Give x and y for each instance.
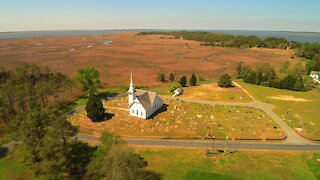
(309, 51)
(177, 83)
(292, 79)
(30, 87)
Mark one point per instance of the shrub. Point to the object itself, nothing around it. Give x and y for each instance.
(173, 86)
(225, 81)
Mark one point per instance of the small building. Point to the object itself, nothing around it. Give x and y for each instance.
(315, 75)
(178, 92)
(143, 104)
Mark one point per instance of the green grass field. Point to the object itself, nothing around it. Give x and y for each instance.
(12, 167)
(302, 111)
(193, 164)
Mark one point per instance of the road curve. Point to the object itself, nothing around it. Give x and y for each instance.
(208, 144)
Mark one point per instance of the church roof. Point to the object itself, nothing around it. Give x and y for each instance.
(146, 98)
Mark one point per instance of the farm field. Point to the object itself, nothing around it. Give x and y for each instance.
(297, 109)
(194, 164)
(145, 55)
(181, 119)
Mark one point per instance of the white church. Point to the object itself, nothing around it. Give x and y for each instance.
(143, 104)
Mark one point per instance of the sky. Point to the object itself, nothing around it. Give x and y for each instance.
(283, 15)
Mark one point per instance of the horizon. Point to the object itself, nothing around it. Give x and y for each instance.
(36, 15)
(155, 29)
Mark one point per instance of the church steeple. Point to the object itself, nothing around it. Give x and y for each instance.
(131, 91)
(131, 87)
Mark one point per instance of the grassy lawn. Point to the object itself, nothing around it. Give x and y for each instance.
(193, 164)
(212, 92)
(297, 109)
(184, 120)
(11, 167)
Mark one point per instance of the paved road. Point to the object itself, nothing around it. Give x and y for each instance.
(208, 144)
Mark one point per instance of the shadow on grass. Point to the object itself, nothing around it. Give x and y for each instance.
(3, 152)
(108, 116)
(164, 108)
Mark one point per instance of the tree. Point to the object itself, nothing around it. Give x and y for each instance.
(299, 70)
(79, 156)
(106, 141)
(298, 85)
(94, 108)
(171, 77)
(288, 82)
(250, 76)
(161, 77)
(56, 148)
(88, 79)
(265, 73)
(285, 66)
(183, 81)
(240, 70)
(122, 163)
(32, 128)
(173, 86)
(45, 137)
(225, 81)
(193, 80)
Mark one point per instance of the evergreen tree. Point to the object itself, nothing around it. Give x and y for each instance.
(183, 81)
(94, 108)
(161, 77)
(193, 80)
(171, 77)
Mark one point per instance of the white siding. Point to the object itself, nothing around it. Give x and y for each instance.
(138, 110)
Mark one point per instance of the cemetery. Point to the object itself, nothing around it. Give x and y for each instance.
(180, 119)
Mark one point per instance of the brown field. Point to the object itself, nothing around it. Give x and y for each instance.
(184, 120)
(145, 55)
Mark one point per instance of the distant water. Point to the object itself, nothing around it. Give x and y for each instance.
(295, 36)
